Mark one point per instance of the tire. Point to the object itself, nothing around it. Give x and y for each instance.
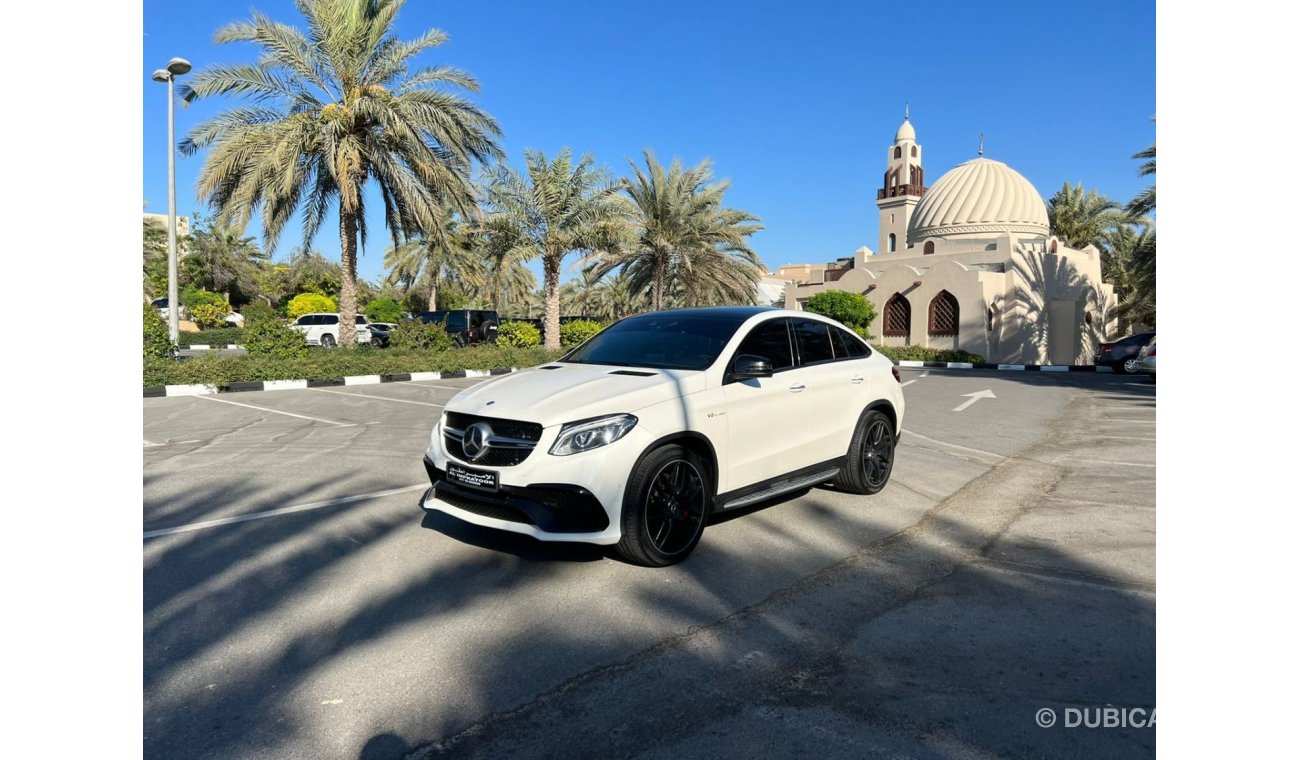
(870, 459)
(328, 341)
(1129, 366)
(669, 490)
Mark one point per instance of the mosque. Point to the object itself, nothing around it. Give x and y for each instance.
(969, 263)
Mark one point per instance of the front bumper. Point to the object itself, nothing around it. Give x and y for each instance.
(551, 498)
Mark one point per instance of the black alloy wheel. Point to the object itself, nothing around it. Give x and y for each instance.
(870, 458)
(674, 509)
(665, 506)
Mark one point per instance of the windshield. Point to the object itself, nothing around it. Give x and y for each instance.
(661, 341)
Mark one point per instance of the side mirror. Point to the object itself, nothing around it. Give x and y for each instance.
(748, 366)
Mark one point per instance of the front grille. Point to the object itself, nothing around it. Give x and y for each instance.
(483, 508)
(495, 456)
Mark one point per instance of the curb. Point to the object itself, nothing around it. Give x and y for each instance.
(209, 347)
(239, 386)
(1006, 367)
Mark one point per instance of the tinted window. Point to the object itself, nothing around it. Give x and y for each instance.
(361, 320)
(814, 339)
(328, 319)
(847, 345)
(456, 321)
(771, 341)
(663, 341)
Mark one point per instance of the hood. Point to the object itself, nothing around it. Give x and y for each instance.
(574, 392)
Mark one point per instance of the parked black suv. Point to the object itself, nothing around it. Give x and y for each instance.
(466, 326)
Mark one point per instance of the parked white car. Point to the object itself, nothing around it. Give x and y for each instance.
(635, 437)
(322, 329)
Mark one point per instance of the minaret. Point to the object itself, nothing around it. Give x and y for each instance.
(903, 187)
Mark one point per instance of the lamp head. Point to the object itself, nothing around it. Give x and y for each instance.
(179, 66)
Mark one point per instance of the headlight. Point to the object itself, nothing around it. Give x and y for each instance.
(592, 434)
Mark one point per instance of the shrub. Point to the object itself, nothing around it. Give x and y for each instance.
(341, 362)
(210, 315)
(258, 311)
(383, 310)
(219, 336)
(192, 297)
(310, 303)
(577, 332)
(157, 342)
(923, 354)
(415, 335)
(850, 309)
(519, 335)
(273, 338)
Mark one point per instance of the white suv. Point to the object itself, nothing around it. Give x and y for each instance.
(635, 437)
(323, 329)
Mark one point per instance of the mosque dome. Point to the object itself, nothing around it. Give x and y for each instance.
(978, 198)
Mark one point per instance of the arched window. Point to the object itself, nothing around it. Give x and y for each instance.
(1053, 250)
(893, 242)
(913, 151)
(989, 314)
(929, 247)
(898, 316)
(898, 152)
(944, 315)
(1087, 317)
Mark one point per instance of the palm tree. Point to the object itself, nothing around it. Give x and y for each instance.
(680, 224)
(1080, 219)
(556, 207)
(221, 258)
(446, 253)
(332, 108)
(1144, 203)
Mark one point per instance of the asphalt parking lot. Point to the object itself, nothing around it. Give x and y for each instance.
(300, 604)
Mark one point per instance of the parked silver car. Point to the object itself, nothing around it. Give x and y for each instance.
(1147, 358)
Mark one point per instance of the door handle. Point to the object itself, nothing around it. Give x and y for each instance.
(797, 388)
(855, 379)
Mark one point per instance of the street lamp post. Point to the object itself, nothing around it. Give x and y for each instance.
(175, 67)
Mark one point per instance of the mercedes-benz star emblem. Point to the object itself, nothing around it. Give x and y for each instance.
(475, 440)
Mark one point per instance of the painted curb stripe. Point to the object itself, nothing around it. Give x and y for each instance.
(324, 383)
(283, 385)
(501, 371)
(911, 363)
(421, 376)
(190, 390)
(361, 380)
(400, 377)
(1054, 368)
(248, 385)
(456, 374)
(155, 391)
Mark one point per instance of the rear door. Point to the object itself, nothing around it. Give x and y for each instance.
(766, 417)
(833, 380)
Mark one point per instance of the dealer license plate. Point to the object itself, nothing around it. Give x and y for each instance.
(466, 476)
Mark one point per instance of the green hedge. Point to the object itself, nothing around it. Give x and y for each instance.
(519, 334)
(579, 331)
(920, 353)
(219, 336)
(157, 338)
(339, 362)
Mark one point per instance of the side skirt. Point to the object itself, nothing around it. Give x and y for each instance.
(791, 481)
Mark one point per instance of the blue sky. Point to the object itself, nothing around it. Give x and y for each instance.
(794, 102)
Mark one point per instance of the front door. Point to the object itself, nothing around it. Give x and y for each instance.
(767, 416)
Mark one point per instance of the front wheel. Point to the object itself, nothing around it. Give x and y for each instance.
(870, 458)
(664, 507)
(327, 341)
(1130, 366)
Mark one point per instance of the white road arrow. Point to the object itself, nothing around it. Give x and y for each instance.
(973, 398)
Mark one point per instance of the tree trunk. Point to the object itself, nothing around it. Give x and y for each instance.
(661, 274)
(348, 293)
(552, 266)
(433, 294)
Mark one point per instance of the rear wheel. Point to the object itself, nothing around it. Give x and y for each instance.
(1130, 366)
(664, 507)
(327, 341)
(870, 458)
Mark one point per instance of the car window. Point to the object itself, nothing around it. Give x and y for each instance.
(663, 340)
(329, 319)
(771, 340)
(847, 345)
(361, 320)
(814, 341)
(456, 321)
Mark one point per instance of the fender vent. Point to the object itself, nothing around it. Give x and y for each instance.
(553, 366)
(633, 374)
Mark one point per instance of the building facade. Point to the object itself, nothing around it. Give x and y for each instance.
(969, 263)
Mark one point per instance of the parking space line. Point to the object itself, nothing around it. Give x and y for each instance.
(913, 434)
(277, 411)
(422, 384)
(1122, 438)
(377, 398)
(281, 511)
